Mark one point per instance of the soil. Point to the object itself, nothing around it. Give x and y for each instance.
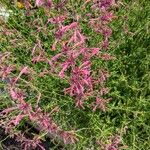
(7, 143)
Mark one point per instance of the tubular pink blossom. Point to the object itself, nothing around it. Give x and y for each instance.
(56, 20)
(5, 71)
(17, 119)
(104, 91)
(101, 104)
(106, 57)
(24, 70)
(68, 137)
(107, 17)
(39, 2)
(49, 3)
(13, 94)
(8, 110)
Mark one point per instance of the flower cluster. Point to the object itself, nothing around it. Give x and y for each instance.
(39, 3)
(22, 110)
(113, 143)
(74, 61)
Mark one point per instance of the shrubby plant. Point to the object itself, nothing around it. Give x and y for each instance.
(54, 73)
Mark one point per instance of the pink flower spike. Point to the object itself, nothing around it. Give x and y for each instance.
(107, 57)
(18, 119)
(104, 91)
(72, 26)
(16, 95)
(107, 32)
(8, 110)
(25, 107)
(105, 4)
(13, 94)
(54, 59)
(101, 104)
(24, 70)
(95, 51)
(49, 3)
(58, 19)
(107, 17)
(103, 75)
(5, 71)
(68, 137)
(86, 65)
(81, 37)
(105, 44)
(39, 2)
(79, 104)
(65, 66)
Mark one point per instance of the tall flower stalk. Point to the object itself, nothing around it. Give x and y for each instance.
(74, 61)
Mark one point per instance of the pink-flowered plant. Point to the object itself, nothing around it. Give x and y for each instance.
(73, 61)
(5, 71)
(39, 3)
(114, 143)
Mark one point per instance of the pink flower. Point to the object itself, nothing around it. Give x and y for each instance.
(107, 17)
(39, 2)
(58, 19)
(63, 29)
(44, 121)
(73, 25)
(107, 32)
(25, 107)
(106, 57)
(105, 44)
(95, 51)
(38, 58)
(59, 34)
(101, 104)
(13, 94)
(68, 63)
(16, 94)
(28, 144)
(68, 137)
(103, 76)
(80, 82)
(78, 39)
(65, 67)
(104, 91)
(5, 71)
(79, 103)
(49, 3)
(8, 110)
(105, 4)
(24, 70)
(54, 60)
(17, 119)
(114, 144)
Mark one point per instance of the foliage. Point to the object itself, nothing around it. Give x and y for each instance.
(49, 47)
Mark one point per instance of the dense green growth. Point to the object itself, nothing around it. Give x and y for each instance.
(129, 82)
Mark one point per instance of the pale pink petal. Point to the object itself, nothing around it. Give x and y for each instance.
(13, 94)
(39, 2)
